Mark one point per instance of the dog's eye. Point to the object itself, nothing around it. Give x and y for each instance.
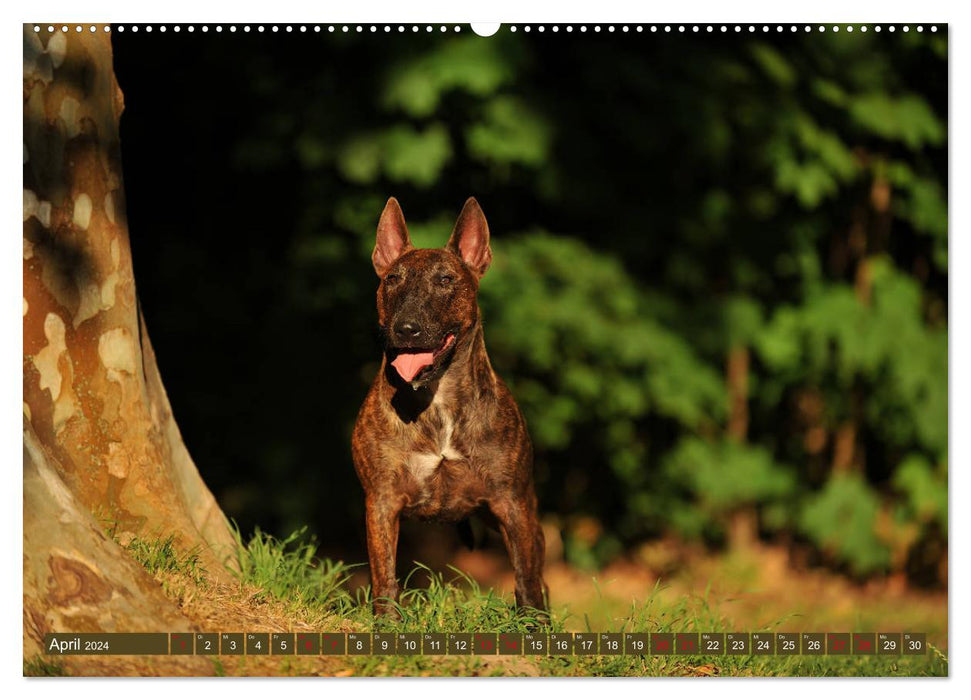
(445, 279)
(393, 277)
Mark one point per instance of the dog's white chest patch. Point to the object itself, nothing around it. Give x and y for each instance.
(448, 451)
(423, 465)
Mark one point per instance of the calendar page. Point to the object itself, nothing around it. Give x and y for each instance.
(456, 350)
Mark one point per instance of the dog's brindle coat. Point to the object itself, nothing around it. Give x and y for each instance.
(449, 440)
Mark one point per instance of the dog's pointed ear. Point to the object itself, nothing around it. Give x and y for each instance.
(392, 240)
(470, 238)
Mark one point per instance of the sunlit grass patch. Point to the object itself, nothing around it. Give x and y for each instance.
(290, 570)
(160, 555)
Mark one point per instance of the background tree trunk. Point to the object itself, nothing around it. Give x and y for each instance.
(101, 448)
(743, 525)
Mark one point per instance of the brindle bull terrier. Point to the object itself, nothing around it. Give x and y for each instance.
(439, 436)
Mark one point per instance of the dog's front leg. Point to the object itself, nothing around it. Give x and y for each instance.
(521, 531)
(383, 517)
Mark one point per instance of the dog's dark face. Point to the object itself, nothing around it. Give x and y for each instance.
(427, 298)
(426, 304)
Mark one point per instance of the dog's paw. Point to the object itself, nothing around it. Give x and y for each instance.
(533, 619)
(387, 611)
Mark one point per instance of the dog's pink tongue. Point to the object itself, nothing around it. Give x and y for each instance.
(410, 364)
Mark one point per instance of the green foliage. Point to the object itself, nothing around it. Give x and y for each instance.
(887, 344)
(810, 162)
(924, 488)
(403, 154)
(923, 204)
(471, 64)
(591, 556)
(774, 64)
(907, 119)
(584, 345)
(725, 475)
(510, 132)
(841, 519)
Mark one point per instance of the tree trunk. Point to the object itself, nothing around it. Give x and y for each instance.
(736, 380)
(100, 442)
(743, 526)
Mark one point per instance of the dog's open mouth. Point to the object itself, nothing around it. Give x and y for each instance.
(409, 362)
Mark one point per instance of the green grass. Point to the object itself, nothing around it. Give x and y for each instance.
(161, 555)
(289, 570)
(43, 666)
(448, 604)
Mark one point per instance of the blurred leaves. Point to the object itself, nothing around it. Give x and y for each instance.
(811, 162)
(841, 520)
(907, 119)
(510, 132)
(774, 64)
(583, 341)
(925, 489)
(402, 154)
(726, 475)
(886, 344)
(471, 64)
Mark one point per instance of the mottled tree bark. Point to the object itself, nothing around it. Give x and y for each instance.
(101, 446)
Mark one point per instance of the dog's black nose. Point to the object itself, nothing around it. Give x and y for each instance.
(407, 329)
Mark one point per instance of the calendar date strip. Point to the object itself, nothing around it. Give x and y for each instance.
(486, 643)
